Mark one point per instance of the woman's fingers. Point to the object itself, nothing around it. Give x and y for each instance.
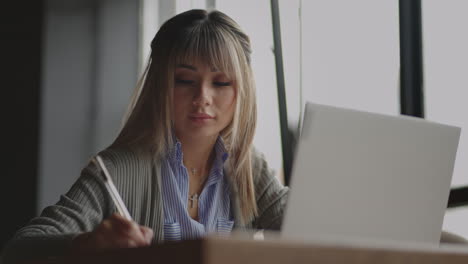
(128, 230)
(147, 233)
(115, 232)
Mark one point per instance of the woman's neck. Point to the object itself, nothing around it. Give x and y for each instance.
(198, 154)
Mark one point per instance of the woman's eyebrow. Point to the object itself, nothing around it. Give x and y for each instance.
(190, 67)
(193, 68)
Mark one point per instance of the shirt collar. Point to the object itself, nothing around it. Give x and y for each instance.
(176, 156)
(221, 156)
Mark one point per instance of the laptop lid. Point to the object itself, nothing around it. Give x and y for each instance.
(369, 176)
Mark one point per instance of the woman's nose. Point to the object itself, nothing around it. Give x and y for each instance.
(202, 96)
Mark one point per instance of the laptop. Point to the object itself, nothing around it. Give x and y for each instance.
(366, 176)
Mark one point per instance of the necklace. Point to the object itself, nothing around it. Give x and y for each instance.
(193, 199)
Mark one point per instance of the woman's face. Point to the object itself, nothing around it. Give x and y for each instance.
(204, 101)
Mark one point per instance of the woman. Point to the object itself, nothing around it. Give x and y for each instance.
(183, 162)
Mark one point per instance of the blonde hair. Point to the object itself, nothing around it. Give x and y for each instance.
(217, 41)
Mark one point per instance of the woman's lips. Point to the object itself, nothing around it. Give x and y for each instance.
(200, 118)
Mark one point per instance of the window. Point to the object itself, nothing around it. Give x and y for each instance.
(350, 52)
(446, 67)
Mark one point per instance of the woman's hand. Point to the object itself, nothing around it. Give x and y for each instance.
(114, 232)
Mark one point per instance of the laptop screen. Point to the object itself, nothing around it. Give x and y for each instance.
(372, 176)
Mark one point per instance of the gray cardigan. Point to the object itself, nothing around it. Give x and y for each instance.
(137, 177)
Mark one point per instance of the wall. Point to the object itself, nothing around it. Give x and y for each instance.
(90, 62)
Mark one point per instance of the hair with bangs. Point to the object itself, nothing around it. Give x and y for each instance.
(215, 39)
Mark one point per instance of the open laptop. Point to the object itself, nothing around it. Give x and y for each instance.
(360, 175)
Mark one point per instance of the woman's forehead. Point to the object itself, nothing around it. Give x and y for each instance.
(196, 66)
(198, 63)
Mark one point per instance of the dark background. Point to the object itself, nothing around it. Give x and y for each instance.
(21, 32)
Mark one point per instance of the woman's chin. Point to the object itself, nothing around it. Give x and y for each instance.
(201, 133)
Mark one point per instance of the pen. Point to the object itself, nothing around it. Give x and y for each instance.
(121, 208)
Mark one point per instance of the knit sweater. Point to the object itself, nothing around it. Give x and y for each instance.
(137, 176)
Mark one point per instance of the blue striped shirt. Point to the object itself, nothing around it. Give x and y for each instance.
(214, 212)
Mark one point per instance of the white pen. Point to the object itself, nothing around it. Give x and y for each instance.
(121, 208)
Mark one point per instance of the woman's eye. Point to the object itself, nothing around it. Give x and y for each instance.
(222, 83)
(183, 81)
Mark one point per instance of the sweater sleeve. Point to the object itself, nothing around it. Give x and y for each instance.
(81, 209)
(270, 194)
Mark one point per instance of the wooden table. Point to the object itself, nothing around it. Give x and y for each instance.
(213, 250)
